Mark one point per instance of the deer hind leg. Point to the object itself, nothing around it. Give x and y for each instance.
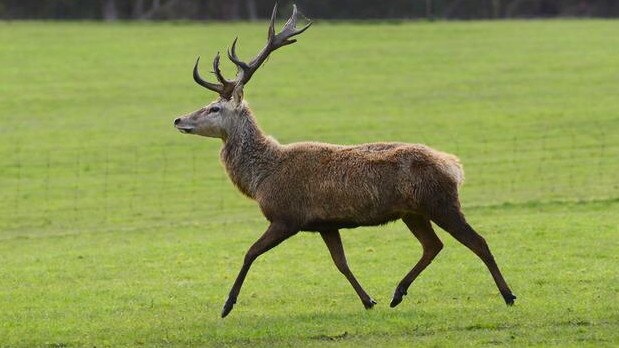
(452, 220)
(334, 244)
(422, 229)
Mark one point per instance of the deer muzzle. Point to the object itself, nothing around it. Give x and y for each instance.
(182, 127)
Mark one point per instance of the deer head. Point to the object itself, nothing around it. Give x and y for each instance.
(219, 118)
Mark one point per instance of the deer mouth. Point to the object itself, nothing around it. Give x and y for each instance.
(185, 130)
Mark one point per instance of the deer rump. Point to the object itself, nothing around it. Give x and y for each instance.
(321, 186)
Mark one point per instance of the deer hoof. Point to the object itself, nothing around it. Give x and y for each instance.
(397, 297)
(369, 304)
(509, 299)
(227, 307)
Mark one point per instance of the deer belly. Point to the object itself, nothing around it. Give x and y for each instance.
(350, 209)
(335, 223)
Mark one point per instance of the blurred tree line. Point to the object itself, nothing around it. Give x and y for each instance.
(327, 9)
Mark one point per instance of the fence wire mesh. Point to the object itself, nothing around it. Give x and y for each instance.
(119, 187)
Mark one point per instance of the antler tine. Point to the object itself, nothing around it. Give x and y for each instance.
(234, 58)
(274, 41)
(208, 85)
(217, 72)
(289, 30)
(271, 32)
(291, 22)
(245, 71)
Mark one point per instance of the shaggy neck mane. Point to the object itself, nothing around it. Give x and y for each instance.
(248, 155)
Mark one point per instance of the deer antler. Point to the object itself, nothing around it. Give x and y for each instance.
(245, 71)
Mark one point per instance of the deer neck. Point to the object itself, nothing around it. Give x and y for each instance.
(248, 156)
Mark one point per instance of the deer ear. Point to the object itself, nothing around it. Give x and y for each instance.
(237, 94)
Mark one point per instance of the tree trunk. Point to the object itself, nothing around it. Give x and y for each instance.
(429, 9)
(496, 9)
(138, 9)
(230, 10)
(157, 7)
(252, 12)
(451, 8)
(109, 11)
(512, 8)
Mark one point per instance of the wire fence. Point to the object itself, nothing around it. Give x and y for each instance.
(124, 187)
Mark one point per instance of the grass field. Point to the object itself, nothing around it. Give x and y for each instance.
(116, 230)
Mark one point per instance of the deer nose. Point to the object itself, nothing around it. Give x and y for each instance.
(176, 121)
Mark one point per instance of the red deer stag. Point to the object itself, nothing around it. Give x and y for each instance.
(323, 187)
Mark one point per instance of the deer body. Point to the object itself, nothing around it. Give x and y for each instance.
(324, 187)
(315, 185)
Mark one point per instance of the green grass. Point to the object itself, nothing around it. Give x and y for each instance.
(116, 230)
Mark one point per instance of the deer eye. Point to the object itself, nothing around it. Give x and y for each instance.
(213, 109)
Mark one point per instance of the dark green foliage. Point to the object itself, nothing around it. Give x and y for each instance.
(318, 9)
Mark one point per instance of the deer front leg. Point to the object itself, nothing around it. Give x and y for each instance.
(275, 234)
(334, 243)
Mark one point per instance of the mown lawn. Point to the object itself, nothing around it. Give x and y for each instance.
(116, 230)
